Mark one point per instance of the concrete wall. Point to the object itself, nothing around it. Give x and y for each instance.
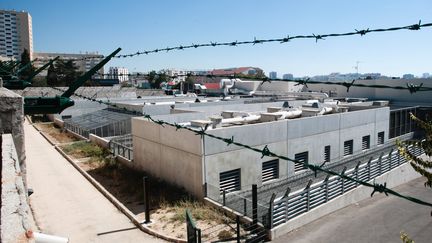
(379, 94)
(101, 142)
(314, 133)
(175, 156)
(17, 221)
(11, 121)
(289, 137)
(157, 149)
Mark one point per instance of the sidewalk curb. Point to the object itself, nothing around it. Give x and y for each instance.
(46, 137)
(117, 203)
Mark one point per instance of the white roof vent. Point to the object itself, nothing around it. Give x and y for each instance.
(200, 123)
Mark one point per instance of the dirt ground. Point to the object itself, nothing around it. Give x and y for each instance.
(168, 203)
(54, 133)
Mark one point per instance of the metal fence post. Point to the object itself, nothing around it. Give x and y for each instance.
(357, 172)
(308, 195)
(271, 209)
(398, 159)
(223, 197)
(198, 232)
(389, 159)
(326, 181)
(343, 181)
(254, 206)
(379, 164)
(146, 200)
(238, 228)
(244, 206)
(286, 197)
(369, 168)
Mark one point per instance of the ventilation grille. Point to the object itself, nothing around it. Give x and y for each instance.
(366, 142)
(380, 138)
(229, 180)
(270, 170)
(348, 147)
(302, 157)
(327, 153)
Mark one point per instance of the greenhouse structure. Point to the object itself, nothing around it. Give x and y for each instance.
(103, 123)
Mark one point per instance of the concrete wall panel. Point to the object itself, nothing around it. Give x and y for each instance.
(253, 135)
(308, 126)
(181, 139)
(249, 162)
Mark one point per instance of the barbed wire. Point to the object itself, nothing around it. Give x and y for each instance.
(265, 152)
(412, 88)
(281, 40)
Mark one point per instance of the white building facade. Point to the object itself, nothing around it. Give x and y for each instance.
(15, 34)
(120, 73)
(84, 62)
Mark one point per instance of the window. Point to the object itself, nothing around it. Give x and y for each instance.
(327, 153)
(303, 158)
(348, 147)
(229, 180)
(380, 138)
(366, 142)
(270, 170)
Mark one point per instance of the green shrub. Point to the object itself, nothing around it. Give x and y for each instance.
(85, 149)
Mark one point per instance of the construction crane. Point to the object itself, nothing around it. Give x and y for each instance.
(356, 67)
(56, 104)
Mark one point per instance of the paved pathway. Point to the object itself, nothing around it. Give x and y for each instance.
(66, 204)
(377, 219)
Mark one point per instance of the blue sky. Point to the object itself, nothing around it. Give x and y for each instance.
(104, 25)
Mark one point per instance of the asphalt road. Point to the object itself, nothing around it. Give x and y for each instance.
(377, 219)
(64, 203)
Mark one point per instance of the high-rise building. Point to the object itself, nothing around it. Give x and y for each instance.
(120, 73)
(288, 76)
(15, 34)
(273, 75)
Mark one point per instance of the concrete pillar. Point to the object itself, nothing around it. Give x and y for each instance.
(11, 121)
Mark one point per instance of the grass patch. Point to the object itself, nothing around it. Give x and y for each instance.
(83, 149)
(198, 209)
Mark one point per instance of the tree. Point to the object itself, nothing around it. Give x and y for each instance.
(422, 165)
(63, 73)
(189, 84)
(156, 78)
(71, 73)
(25, 59)
(51, 78)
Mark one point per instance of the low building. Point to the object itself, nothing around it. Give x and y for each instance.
(105, 81)
(84, 62)
(120, 73)
(288, 76)
(178, 75)
(323, 132)
(404, 97)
